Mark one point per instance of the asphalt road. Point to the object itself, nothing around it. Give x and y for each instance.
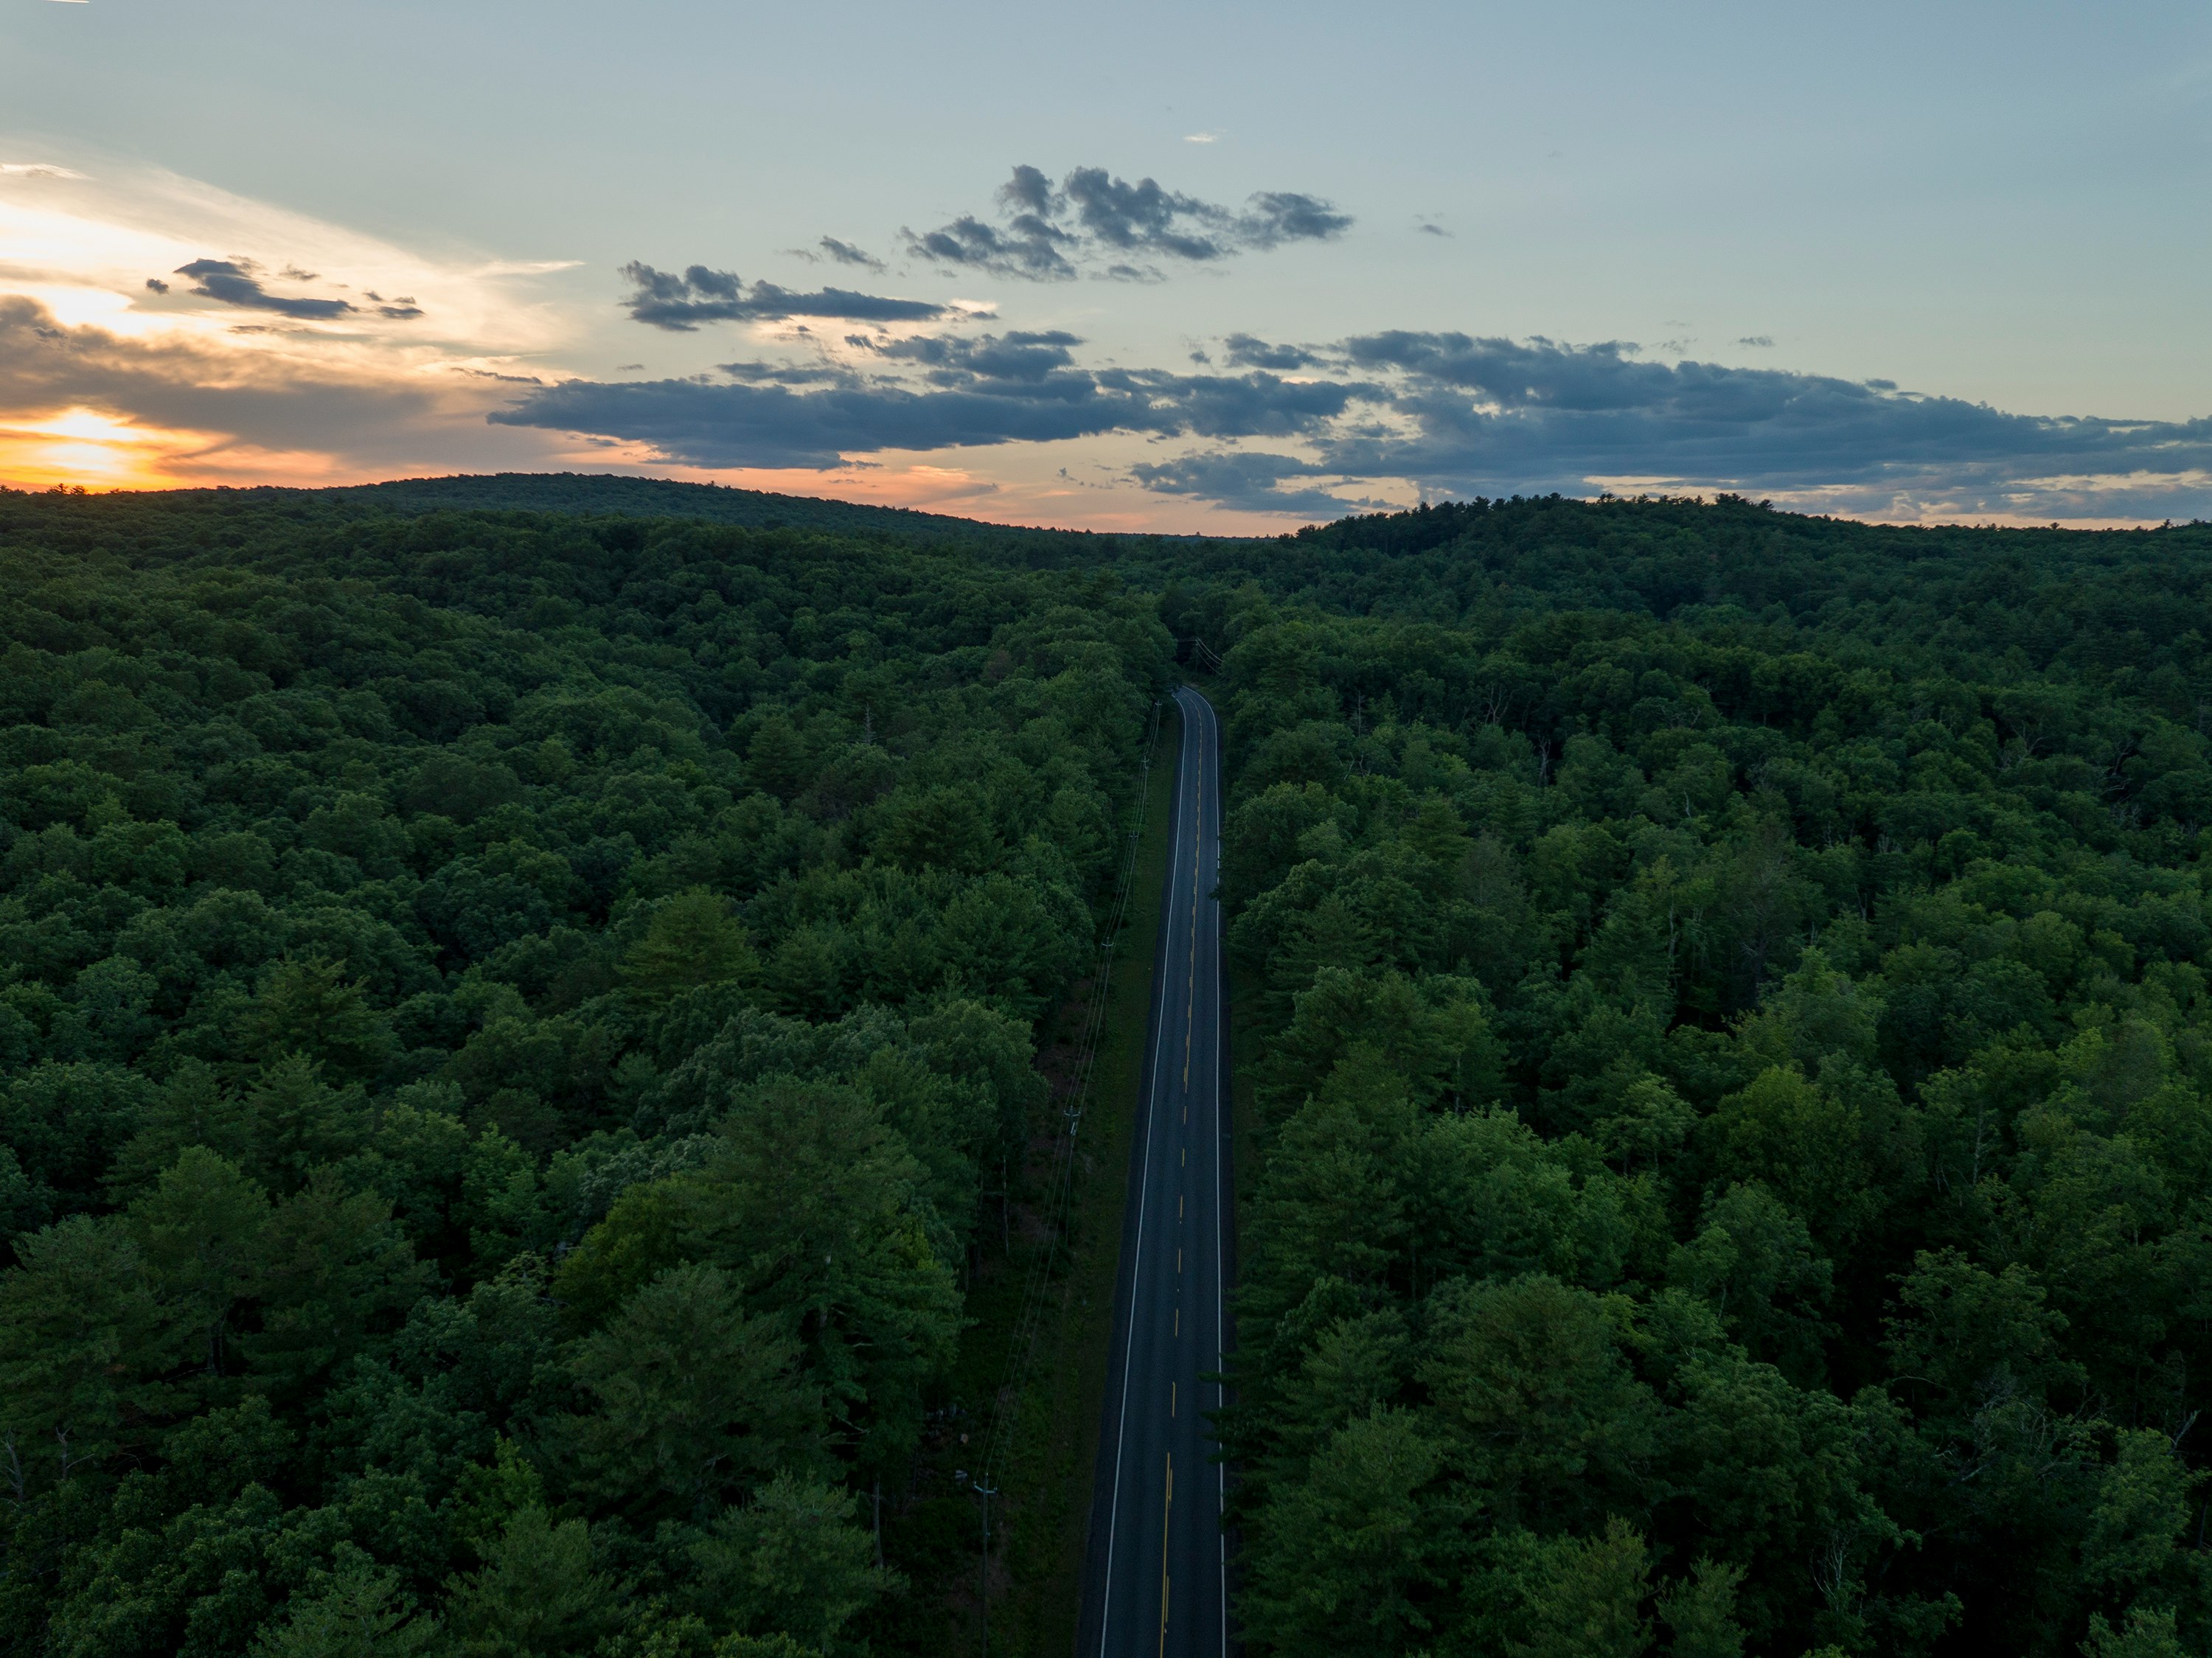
(1157, 1570)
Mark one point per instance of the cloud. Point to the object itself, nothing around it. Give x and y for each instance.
(1142, 216)
(1032, 358)
(255, 397)
(1047, 233)
(1486, 415)
(1760, 341)
(231, 282)
(679, 303)
(1245, 351)
(1201, 137)
(942, 392)
(1428, 229)
(773, 426)
(846, 253)
(36, 170)
(113, 375)
(838, 252)
(1249, 480)
(1275, 216)
(1442, 413)
(250, 382)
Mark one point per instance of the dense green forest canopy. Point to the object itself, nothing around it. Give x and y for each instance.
(1734, 1058)
(519, 1010)
(508, 1022)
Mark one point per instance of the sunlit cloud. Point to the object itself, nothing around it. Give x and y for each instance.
(154, 329)
(87, 248)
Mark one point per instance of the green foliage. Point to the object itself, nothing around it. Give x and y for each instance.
(693, 941)
(199, 1235)
(790, 1562)
(83, 1342)
(356, 1611)
(692, 1402)
(1732, 1058)
(536, 1594)
(508, 1020)
(511, 1019)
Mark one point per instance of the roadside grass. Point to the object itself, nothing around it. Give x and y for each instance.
(1039, 1516)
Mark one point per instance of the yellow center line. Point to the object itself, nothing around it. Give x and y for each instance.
(1167, 1508)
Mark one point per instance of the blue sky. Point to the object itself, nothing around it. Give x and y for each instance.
(1927, 262)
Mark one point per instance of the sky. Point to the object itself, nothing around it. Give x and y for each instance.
(1197, 267)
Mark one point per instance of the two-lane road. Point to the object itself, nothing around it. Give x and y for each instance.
(1155, 1577)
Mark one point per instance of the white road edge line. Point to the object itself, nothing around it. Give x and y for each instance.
(1220, 1208)
(1136, 1265)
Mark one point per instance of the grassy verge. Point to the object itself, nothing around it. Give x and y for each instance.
(1044, 1505)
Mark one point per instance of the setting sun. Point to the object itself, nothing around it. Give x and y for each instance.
(84, 446)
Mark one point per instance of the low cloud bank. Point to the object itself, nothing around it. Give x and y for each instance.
(1445, 413)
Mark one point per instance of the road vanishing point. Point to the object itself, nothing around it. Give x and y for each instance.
(1156, 1572)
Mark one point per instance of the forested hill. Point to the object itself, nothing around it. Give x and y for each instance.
(219, 512)
(2130, 597)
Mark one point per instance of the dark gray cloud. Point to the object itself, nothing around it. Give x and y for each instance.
(1141, 217)
(1439, 413)
(1470, 416)
(1048, 232)
(846, 254)
(1497, 413)
(1245, 351)
(771, 425)
(1032, 358)
(156, 285)
(1275, 216)
(1027, 246)
(679, 302)
(837, 252)
(1253, 480)
(232, 281)
(1760, 341)
(939, 392)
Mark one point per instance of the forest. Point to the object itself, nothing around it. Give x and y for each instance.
(1732, 1044)
(513, 1027)
(521, 1009)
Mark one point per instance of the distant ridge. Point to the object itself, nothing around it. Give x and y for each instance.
(643, 497)
(609, 494)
